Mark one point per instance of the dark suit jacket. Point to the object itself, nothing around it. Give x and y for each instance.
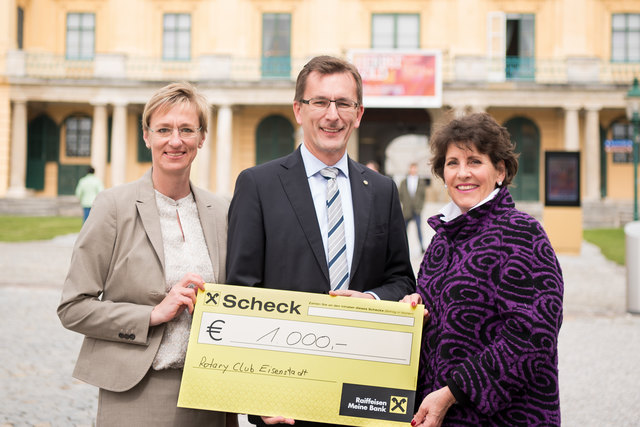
(274, 239)
(117, 277)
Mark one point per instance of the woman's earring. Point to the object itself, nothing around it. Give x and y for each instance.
(499, 183)
(445, 186)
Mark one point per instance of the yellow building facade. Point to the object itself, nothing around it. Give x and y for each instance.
(75, 74)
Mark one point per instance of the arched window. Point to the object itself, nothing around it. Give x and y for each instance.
(78, 136)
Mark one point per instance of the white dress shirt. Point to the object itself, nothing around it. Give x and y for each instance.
(412, 184)
(451, 211)
(318, 186)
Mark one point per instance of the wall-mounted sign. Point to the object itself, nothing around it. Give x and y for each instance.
(618, 146)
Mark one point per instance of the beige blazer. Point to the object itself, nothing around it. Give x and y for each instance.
(116, 277)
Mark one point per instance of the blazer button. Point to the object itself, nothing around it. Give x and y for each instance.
(132, 337)
(120, 335)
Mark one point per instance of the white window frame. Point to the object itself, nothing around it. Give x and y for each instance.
(176, 37)
(80, 36)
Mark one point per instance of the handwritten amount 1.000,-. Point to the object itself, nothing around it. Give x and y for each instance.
(306, 337)
(308, 340)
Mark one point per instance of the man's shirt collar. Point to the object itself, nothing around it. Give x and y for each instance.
(313, 165)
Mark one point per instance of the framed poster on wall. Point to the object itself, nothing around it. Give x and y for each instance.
(562, 178)
(400, 78)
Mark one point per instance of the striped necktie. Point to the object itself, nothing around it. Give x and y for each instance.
(338, 271)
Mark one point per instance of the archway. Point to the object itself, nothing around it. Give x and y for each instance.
(405, 150)
(381, 126)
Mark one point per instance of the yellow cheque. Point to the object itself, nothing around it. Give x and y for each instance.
(304, 356)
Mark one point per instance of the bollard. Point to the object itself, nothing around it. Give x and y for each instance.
(632, 260)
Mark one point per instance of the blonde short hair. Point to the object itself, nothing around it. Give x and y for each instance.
(176, 94)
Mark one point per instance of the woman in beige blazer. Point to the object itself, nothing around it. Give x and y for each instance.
(145, 250)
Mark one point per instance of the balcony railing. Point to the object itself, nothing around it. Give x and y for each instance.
(228, 68)
(118, 66)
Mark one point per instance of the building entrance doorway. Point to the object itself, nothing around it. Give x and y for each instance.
(43, 140)
(380, 126)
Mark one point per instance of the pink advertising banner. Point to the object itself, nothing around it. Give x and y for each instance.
(400, 78)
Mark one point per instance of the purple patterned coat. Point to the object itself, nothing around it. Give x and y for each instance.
(493, 286)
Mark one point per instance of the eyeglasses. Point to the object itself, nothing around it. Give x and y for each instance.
(323, 104)
(184, 133)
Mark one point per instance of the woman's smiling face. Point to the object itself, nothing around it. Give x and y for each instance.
(470, 176)
(174, 153)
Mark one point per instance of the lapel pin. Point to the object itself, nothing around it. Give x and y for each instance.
(365, 182)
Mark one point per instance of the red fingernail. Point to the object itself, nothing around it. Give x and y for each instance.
(413, 303)
(413, 422)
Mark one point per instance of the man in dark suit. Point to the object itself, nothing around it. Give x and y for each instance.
(412, 196)
(285, 231)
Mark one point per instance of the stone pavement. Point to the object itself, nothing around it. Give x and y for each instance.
(599, 344)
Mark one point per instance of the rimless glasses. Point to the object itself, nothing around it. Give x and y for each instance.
(184, 132)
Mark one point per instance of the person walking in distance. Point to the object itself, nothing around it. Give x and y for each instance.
(412, 198)
(87, 189)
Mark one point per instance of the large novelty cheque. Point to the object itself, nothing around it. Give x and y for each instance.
(305, 356)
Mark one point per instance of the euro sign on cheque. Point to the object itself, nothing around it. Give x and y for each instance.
(305, 356)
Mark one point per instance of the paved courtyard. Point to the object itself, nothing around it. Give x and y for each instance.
(599, 343)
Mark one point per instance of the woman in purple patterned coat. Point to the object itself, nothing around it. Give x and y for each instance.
(492, 286)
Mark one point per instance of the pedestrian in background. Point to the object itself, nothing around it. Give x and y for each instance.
(373, 165)
(493, 288)
(412, 197)
(86, 191)
(136, 267)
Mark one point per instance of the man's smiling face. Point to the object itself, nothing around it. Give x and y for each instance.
(326, 132)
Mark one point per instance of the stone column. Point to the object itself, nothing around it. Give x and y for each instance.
(298, 136)
(99, 140)
(478, 108)
(119, 145)
(437, 114)
(204, 158)
(459, 111)
(223, 150)
(352, 145)
(17, 180)
(591, 170)
(571, 128)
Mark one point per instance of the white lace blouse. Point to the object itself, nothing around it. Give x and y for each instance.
(185, 251)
